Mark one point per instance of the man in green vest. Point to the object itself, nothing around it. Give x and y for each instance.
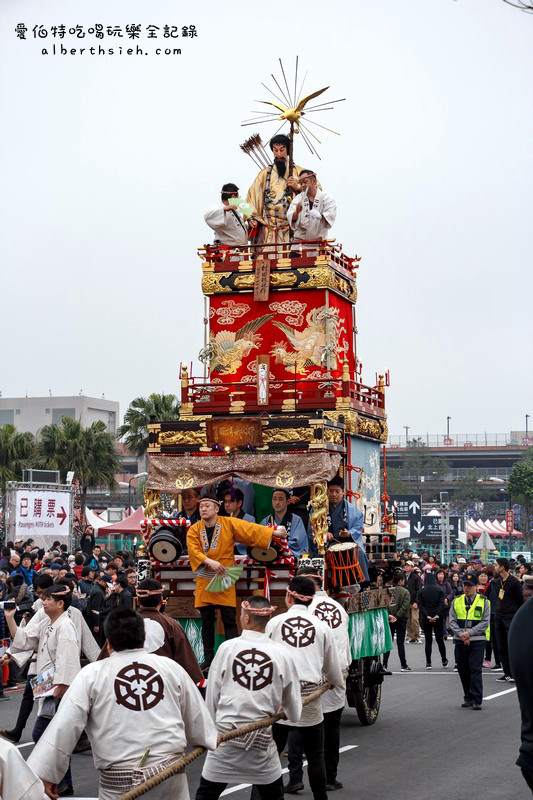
(469, 622)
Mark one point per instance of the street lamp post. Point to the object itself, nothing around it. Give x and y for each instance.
(527, 434)
(448, 427)
(406, 429)
(494, 479)
(128, 484)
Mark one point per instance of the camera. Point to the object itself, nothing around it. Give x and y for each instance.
(8, 605)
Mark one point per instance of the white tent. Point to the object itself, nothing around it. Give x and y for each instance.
(94, 520)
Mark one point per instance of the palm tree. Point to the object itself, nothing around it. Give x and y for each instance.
(16, 451)
(134, 431)
(89, 452)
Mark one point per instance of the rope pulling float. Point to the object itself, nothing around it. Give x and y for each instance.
(183, 762)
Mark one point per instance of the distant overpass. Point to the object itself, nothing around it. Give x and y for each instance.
(492, 455)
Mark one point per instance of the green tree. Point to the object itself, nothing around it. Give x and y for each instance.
(467, 492)
(134, 431)
(89, 452)
(16, 452)
(421, 471)
(396, 483)
(520, 486)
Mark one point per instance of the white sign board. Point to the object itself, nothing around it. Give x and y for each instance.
(42, 513)
(525, 553)
(484, 542)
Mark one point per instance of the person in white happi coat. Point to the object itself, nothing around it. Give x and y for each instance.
(333, 614)
(226, 221)
(86, 644)
(17, 780)
(312, 646)
(312, 212)
(251, 677)
(57, 648)
(140, 712)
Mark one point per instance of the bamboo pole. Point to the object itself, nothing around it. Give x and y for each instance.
(180, 765)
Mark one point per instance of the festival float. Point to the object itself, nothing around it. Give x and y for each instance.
(281, 403)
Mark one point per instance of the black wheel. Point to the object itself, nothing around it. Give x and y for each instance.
(363, 688)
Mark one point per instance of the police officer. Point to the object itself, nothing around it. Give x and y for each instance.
(469, 623)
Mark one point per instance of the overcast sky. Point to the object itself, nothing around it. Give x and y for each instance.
(107, 164)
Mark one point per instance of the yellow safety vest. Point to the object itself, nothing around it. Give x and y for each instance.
(475, 612)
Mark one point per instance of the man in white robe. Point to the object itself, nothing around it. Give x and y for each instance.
(251, 677)
(312, 646)
(57, 648)
(86, 642)
(140, 712)
(17, 779)
(226, 221)
(334, 615)
(312, 213)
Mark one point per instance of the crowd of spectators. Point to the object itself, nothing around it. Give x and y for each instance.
(99, 581)
(432, 587)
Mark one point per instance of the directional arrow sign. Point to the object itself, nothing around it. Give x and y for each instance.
(430, 528)
(62, 516)
(407, 507)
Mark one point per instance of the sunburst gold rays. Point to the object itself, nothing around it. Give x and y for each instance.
(291, 106)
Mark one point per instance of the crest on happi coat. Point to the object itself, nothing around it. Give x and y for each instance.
(328, 613)
(138, 687)
(252, 669)
(298, 632)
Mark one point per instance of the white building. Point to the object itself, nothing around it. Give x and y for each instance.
(32, 413)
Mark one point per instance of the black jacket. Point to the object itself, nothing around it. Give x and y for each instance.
(430, 598)
(124, 599)
(512, 599)
(521, 658)
(97, 608)
(413, 584)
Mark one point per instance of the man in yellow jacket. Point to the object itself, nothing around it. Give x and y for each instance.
(211, 546)
(469, 622)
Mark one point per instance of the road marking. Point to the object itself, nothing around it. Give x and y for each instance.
(499, 694)
(425, 672)
(283, 772)
(25, 744)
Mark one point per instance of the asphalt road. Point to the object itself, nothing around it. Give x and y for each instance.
(423, 745)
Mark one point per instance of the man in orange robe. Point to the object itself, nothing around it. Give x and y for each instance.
(211, 546)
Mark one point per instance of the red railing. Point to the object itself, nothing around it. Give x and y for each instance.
(300, 253)
(301, 394)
